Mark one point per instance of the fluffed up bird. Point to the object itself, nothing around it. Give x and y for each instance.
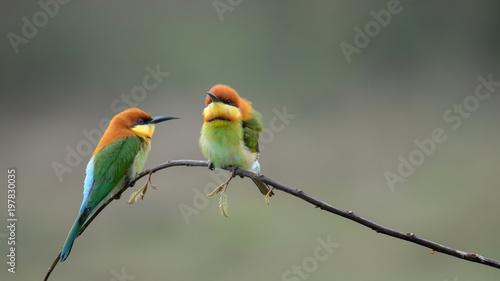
(230, 133)
(118, 158)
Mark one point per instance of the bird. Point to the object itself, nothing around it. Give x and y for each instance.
(119, 157)
(230, 133)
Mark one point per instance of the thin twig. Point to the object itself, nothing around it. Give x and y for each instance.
(350, 215)
(171, 163)
(304, 196)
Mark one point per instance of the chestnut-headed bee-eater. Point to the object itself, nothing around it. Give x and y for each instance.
(118, 158)
(230, 132)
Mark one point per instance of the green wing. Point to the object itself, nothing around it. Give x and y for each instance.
(251, 131)
(111, 164)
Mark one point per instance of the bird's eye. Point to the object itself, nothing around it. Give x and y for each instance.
(228, 101)
(140, 121)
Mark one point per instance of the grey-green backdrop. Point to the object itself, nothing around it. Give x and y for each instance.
(386, 108)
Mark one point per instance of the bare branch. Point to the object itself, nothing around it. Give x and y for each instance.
(350, 215)
(171, 163)
(435, 247)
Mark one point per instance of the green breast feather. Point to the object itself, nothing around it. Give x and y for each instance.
(111, 164)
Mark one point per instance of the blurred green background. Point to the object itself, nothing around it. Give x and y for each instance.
(352, 123)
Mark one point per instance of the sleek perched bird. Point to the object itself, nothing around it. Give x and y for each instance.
(230, 133)
(118, 158)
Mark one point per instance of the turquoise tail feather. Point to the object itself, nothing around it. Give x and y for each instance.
(71, 238)
(264, 189)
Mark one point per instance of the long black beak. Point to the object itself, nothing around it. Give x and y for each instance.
(214, 97)
(159, 119)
